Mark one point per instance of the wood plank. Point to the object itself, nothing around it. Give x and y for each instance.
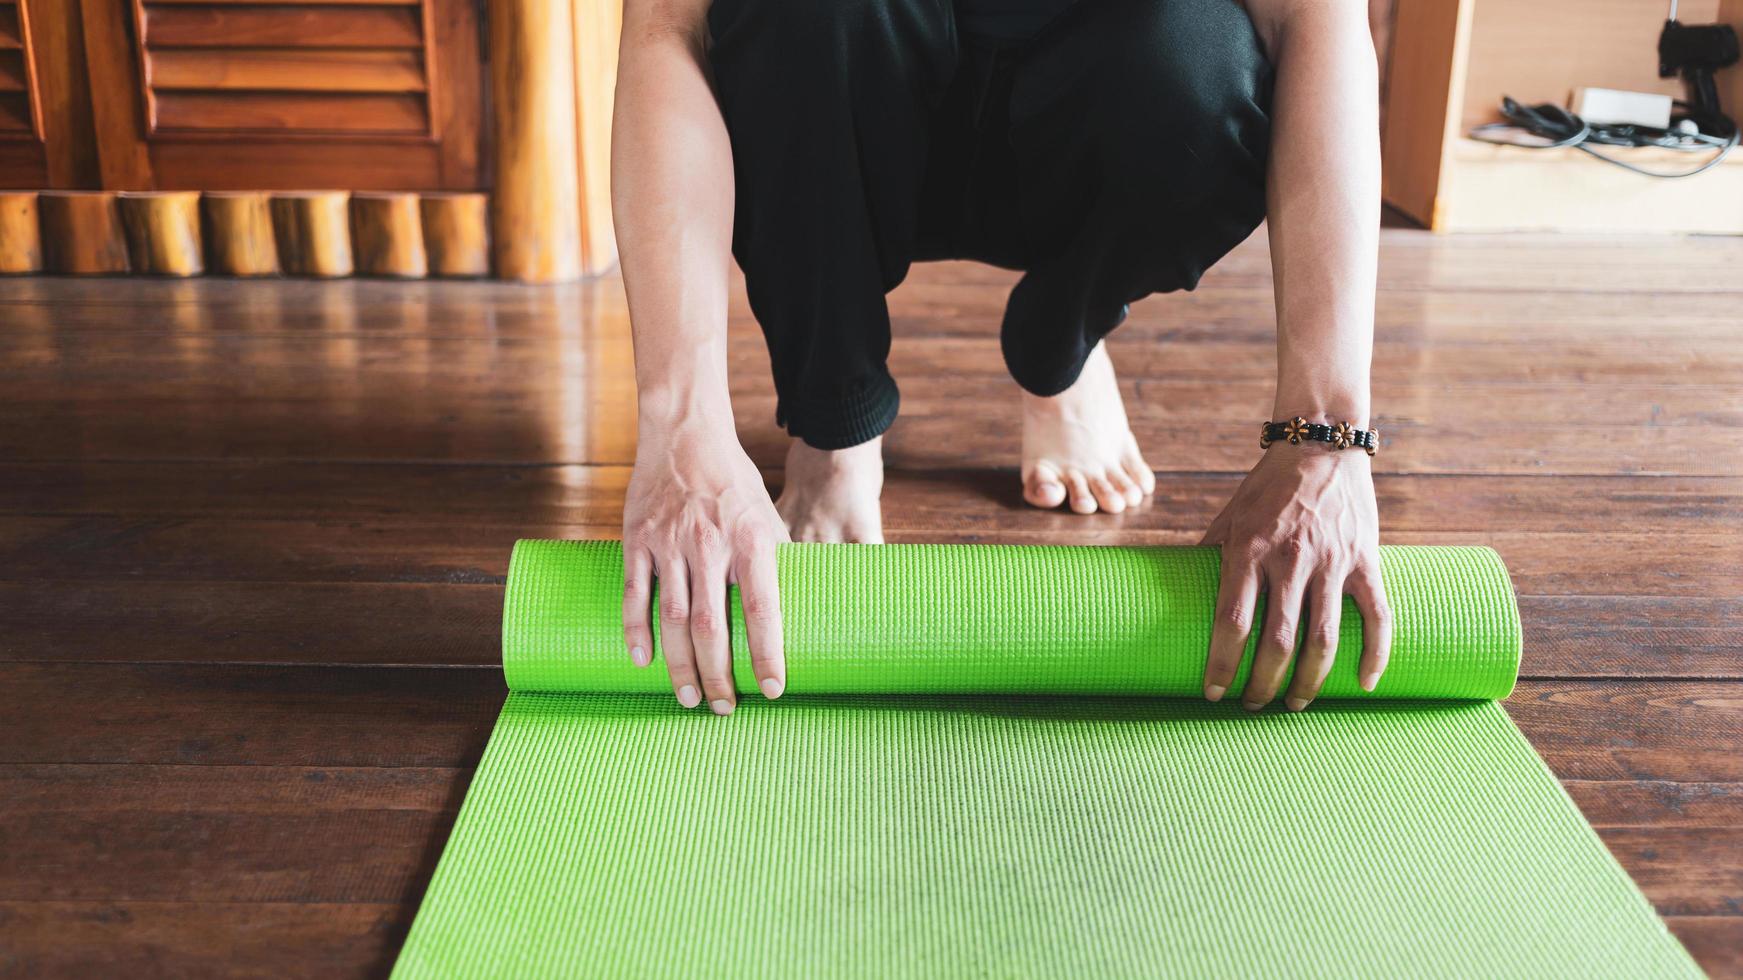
(1637, 804)
(1716, 942)
(1677, 731)
(253, 622)
(312, 112)
(219, 834)
(286, 70)
(11, 37)
(948, 501)
(281, 26)
(248, 715)
(254, 940)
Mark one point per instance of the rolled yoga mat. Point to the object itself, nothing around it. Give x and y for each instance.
(993, 761)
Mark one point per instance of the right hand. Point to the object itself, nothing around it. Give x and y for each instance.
(698, 517)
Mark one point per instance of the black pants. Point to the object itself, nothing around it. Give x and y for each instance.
(1118, 152)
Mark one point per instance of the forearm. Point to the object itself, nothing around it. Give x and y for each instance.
(672, 194)
(1324, 210)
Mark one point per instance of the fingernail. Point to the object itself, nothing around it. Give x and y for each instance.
(1369, 681)
(689, 697)
(1253, 705)
(772, 688)
(639, 655)
(721, 706)
(1214, 692)
(1295, 704)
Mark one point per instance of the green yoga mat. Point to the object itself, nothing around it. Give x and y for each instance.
(991, 761)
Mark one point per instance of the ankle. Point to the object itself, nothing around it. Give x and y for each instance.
(808, 462)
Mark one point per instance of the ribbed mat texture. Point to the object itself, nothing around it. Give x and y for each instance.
(991, 762)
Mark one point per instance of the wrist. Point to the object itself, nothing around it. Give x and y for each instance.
(687, 403)
(1331, 402)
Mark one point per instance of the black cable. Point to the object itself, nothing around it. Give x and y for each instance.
(1558, 127)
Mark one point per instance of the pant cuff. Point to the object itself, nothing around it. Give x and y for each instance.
(856, 417)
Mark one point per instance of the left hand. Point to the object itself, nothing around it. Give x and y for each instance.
(1303, 526)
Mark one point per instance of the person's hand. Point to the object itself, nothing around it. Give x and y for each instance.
(1303, 528)
(697, 517)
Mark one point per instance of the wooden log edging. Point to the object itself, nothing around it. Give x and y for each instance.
(457, 233)
(81, 233)
(319, 234)
(313, 230)
(387, 235)
(20, 235)
(163, 232)
(238, 229)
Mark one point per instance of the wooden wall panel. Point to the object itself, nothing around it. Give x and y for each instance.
(238, 94)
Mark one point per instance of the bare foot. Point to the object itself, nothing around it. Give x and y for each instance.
(832, 494)
(1078, 447)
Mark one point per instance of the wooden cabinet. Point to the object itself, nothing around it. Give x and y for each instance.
(239, 94)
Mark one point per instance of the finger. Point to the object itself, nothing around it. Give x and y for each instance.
(1236, 595)
(1286, 587)
(709, 634)
(1319, 652)
(1110, 499)
(759, 594)
(1077, 489)
(1043, 487)
(1370, 596)
(675, 632)
(638, 574)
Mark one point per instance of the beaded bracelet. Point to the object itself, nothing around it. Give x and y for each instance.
(1298, 430)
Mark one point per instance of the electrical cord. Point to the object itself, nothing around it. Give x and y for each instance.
(1556, 127)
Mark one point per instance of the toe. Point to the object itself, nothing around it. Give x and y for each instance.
(1110, 498)
(1043, 488)
(1126, 487)
(1077, 488)
(1140, 472)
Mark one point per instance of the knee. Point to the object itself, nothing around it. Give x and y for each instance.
(1192, 73)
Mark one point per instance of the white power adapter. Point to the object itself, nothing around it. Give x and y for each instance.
(1613, 107)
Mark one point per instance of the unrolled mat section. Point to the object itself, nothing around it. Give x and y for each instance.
(991, 762)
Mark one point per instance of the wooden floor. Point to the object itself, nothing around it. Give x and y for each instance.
(253, 538)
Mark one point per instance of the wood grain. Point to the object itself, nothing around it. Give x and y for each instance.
(536, 199)
(287, 70)
(238, 233)
(163, 232)
(313, 230)
(306, 112)
(82, 234)
(457, 234)
(387, 235)
(20, 235)
(299, 26)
